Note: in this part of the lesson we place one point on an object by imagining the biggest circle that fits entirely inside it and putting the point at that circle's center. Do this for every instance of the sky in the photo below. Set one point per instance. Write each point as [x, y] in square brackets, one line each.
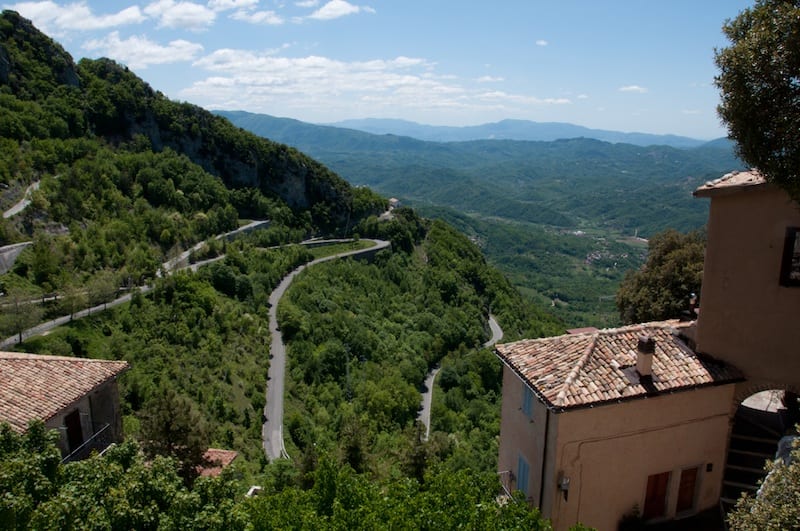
[624, 65]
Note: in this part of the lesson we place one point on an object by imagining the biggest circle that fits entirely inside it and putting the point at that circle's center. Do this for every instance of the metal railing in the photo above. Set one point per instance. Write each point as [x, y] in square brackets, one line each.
[506, 478]
[101, 439]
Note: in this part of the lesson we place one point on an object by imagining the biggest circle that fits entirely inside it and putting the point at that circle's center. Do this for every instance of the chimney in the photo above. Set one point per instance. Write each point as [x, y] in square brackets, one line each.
[644, 356]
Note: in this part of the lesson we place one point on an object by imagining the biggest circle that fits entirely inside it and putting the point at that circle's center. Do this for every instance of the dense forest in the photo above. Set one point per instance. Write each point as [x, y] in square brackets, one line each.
[127, 181]
[564, 220]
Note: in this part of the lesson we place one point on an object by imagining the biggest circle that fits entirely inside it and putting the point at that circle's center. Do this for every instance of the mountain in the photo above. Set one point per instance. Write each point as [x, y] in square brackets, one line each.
[568, 183]
[511, 130]
[102, 99]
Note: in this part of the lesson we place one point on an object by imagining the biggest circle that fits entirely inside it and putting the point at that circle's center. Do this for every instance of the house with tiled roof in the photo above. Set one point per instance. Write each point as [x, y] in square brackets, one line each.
[597, 422]
[76, 396]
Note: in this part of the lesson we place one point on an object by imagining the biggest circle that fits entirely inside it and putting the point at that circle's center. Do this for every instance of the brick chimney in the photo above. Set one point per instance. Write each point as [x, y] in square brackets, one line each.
[644, 356]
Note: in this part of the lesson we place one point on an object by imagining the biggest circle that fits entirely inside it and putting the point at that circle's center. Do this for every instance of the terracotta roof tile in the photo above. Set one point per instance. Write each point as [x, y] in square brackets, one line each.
[596, 367]
[217, 459]
[736, 180]
[37, 387]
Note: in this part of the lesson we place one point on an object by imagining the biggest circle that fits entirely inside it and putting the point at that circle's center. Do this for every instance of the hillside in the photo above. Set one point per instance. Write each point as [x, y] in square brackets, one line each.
[562, 219]
[572, 183]
[128, 180]
[58, 99]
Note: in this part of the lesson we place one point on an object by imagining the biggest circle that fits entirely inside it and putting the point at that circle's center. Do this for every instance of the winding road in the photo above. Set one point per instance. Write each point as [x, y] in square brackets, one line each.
[427, 395]
[272, 430]
[170, 267]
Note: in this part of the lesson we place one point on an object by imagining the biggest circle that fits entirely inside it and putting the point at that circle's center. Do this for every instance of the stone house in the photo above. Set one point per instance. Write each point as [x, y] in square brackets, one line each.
[76, 396]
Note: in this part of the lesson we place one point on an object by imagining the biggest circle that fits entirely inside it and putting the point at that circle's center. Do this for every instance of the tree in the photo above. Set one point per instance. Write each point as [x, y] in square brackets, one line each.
[172, 427]
[759, 81]
[662, 287]
[20, 311]
[777, 504]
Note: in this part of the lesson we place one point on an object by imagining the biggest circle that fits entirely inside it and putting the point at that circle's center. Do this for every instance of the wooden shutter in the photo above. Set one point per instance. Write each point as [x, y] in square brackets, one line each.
[686, 490]
[655, 501]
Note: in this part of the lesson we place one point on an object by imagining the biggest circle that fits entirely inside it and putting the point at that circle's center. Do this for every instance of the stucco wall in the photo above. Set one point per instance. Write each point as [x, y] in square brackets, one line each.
[747, 318]
[523, 435]
[608, 452]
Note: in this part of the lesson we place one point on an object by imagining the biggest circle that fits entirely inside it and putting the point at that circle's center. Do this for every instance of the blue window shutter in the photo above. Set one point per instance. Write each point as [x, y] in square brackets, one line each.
[522, 475]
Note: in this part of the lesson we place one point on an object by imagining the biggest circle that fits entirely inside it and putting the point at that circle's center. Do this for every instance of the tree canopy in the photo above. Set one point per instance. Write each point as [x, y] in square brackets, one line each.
[759, 81]
[777, 504]
[662, 287]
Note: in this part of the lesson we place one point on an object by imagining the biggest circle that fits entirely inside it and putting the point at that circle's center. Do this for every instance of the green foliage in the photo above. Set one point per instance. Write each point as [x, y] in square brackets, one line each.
[171, 426]
[777, 504]
[662, 287]
[119, 490]
[758, 82]
[362, 336]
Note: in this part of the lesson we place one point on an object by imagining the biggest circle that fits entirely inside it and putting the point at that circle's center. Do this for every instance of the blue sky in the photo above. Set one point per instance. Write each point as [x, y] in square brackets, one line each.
[627, 65]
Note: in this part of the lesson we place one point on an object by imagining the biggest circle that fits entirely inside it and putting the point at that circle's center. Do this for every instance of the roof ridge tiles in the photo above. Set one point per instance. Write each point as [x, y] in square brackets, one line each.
[573, 374]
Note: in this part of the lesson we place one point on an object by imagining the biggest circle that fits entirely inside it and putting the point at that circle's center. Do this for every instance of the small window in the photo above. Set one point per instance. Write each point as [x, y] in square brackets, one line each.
[523, 471]
[527, 401]
[790, 265]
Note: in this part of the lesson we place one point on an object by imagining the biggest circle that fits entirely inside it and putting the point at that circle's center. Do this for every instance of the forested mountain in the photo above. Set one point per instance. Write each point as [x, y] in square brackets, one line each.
[568, 183]
[46, 95]
[560, 218]
[127, 180]
[511, 130]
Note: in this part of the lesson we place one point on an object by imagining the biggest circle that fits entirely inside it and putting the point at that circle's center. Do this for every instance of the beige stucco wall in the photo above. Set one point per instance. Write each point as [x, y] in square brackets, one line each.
[609, 451]
[747, 318]
[523, 435]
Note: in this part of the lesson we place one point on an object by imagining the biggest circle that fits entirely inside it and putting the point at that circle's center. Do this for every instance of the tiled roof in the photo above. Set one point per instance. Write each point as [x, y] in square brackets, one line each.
[217, 459]
[730, 182]
[37, 387]
[596, 367]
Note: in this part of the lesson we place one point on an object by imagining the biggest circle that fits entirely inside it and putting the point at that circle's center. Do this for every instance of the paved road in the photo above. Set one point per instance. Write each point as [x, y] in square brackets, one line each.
[170, 266]
[427, 400]
[272, 430]
[427, 395]
[497, 332]
[22, 203]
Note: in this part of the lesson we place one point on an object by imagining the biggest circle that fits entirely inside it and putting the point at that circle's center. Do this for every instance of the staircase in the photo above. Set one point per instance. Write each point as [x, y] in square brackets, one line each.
[754, 440]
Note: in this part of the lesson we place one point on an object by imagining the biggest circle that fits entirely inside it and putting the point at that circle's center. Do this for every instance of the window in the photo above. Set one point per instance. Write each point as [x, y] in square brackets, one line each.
[686, 490]
[655, 500]
[523, 470]
[790, 264]
[527, 401]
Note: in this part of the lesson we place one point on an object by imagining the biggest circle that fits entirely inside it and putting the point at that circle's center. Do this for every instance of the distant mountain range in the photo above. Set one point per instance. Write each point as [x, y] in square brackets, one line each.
[513, 130]
[565, 183]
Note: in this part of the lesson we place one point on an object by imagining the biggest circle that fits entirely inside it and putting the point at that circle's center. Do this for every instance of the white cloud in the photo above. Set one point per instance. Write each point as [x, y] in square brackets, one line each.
[225, 5]
[499, 95]
[542, 42]
[338, 8]
[327, 88]
[270, 18]
[583, 96]
[139, 52]
[489, 79]
[56, 19]
[307, 3]
[633, 88]
[186, 15]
